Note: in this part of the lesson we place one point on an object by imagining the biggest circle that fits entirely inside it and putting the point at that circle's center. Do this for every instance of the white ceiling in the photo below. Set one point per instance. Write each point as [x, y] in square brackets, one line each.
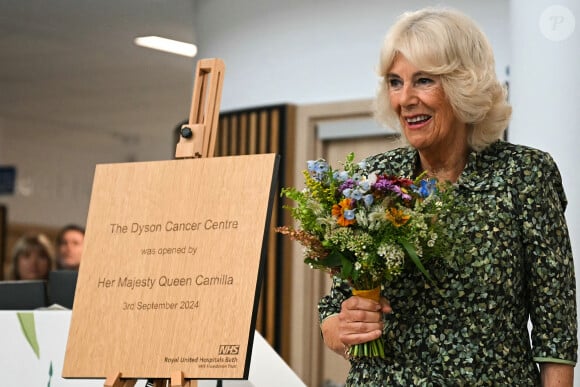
[72, 65]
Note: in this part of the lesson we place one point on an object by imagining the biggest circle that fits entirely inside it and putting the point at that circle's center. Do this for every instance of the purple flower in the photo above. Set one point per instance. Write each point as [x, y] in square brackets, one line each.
[349, 183]
[383, 184]
[396, 189]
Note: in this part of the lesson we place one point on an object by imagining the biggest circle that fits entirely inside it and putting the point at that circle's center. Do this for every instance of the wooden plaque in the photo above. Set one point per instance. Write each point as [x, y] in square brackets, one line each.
[171, 269]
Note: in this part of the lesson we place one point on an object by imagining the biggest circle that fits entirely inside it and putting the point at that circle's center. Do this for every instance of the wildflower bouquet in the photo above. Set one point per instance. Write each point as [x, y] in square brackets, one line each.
[366, 227]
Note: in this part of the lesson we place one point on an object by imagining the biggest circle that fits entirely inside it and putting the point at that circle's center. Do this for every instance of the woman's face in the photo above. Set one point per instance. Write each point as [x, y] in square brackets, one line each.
[426, 116]
[70, 249]
[33, 264]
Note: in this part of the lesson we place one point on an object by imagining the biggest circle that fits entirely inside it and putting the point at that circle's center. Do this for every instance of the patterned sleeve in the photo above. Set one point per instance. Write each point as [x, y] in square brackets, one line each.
[549, 263]
[330, 304]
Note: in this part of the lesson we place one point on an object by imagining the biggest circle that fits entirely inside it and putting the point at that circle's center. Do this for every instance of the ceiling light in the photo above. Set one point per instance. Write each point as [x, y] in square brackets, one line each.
[167, 45]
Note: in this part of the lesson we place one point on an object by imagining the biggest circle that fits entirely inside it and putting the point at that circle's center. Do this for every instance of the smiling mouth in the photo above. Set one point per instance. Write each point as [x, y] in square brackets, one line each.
[417, 120]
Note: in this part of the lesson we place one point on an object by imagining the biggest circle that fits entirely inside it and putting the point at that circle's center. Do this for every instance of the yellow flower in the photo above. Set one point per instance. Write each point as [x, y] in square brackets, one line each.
[397, 217]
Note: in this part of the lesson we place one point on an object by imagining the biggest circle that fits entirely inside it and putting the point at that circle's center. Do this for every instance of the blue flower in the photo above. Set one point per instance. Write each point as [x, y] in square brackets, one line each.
[365, 185]
[348, 214]
[368, 199]
[317, 169]
[321, 166]
[357, 194]
[340, 176]
[426, 188]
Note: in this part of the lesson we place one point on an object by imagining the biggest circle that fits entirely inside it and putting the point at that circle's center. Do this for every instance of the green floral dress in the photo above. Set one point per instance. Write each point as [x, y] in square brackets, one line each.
[511, 260]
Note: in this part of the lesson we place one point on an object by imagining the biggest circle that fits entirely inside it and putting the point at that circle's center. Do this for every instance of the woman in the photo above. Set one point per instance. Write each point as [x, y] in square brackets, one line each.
[32, 258]
[69, 244]
[511, 258]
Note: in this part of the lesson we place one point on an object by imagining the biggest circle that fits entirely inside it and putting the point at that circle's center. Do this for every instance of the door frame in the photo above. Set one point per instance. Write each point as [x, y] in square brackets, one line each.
[307, 349]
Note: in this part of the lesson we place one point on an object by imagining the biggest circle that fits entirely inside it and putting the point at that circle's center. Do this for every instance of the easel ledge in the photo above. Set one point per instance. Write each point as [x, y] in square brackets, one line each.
[197, 140]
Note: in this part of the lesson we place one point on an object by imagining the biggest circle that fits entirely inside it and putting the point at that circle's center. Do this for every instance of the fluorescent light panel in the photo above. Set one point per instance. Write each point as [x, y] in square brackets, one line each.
[167, 45]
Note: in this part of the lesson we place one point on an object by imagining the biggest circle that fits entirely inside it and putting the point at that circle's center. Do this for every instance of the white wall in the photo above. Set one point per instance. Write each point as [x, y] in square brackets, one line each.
[545, 85]
[305, 51]
[55, 168]
[546, 92]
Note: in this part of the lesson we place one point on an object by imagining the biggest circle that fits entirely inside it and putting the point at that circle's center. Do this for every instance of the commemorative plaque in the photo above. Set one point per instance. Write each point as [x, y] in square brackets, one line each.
[171, 268]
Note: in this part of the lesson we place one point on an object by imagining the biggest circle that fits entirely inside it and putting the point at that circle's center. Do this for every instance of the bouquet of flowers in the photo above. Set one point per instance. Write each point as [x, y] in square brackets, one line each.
[366, 228]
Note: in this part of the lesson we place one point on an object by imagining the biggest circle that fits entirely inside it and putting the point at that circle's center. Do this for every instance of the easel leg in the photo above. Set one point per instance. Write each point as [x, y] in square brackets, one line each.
[117, 381]
[177, 380]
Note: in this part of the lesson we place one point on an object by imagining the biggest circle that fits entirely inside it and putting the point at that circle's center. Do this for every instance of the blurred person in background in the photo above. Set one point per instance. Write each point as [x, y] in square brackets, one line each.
[69, 244]
[32, 258]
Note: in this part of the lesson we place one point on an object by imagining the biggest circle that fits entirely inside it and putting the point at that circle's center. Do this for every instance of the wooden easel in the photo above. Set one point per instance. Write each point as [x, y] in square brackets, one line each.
[197, 140]
[177, 380]
[198, 136]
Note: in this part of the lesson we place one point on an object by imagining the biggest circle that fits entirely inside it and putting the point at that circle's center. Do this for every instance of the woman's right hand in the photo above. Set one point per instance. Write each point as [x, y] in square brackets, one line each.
[360, 320]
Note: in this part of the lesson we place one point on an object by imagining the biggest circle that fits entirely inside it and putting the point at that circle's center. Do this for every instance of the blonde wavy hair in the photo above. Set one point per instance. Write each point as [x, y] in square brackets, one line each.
[447, 43]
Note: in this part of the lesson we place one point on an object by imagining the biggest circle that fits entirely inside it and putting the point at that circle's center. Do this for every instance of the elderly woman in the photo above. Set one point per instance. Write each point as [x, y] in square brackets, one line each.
[32, 258]
[511, 260]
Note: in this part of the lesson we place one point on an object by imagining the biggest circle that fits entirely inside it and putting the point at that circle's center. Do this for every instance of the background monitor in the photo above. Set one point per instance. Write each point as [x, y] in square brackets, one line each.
[22, 295]
[61, 287]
